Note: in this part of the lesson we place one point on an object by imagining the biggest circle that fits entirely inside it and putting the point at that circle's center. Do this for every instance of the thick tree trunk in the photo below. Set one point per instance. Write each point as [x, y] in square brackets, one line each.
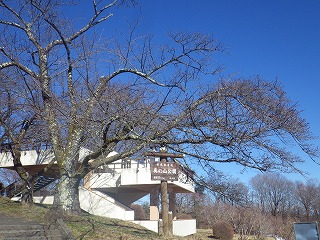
[67, 195]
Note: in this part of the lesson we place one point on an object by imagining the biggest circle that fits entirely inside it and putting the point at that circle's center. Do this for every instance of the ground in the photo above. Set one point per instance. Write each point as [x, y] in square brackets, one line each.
[88, 227]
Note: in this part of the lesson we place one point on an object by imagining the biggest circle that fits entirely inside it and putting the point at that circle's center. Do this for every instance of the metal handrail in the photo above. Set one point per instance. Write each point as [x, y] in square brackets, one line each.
[125, 164]
[17, 188]
[5, 192]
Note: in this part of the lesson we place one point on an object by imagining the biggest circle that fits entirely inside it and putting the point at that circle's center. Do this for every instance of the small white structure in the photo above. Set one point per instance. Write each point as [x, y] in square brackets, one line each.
[109, 190]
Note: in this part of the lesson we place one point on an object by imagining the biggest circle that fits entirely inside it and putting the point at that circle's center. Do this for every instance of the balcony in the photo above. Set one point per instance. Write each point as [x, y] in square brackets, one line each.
[126, 174]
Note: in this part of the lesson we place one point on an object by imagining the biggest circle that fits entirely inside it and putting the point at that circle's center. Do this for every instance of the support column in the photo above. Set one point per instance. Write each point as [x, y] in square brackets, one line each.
[154, 204]
[172, 204]
[87, 180]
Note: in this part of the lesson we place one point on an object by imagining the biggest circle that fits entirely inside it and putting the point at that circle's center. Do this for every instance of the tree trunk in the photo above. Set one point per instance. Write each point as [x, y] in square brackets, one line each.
[67, 194]
[27, 190]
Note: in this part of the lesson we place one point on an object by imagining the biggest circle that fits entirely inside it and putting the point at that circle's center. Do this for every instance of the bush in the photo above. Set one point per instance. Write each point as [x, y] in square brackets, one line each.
[139, 213]
[222, 230]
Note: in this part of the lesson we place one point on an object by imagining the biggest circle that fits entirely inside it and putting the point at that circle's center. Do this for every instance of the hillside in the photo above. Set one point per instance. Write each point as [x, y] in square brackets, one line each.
[86, 226]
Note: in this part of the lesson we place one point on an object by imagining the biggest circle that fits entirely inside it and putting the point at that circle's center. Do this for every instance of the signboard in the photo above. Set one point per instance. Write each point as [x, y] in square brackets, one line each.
[306, 231]
[167, 171]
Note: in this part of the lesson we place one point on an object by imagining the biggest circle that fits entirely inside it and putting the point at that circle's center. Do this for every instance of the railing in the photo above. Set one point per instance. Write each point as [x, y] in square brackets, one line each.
[136, 164]
[185, 175]
[124, 164]
[12, 190]
[15, 188]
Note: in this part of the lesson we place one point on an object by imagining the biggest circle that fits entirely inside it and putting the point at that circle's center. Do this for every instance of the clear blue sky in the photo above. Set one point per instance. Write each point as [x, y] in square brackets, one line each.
[275, 39]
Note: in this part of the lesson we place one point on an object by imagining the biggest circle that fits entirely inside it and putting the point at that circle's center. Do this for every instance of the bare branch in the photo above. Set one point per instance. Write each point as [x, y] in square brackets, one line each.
[13, 24]
[16, 14]
[93, 22]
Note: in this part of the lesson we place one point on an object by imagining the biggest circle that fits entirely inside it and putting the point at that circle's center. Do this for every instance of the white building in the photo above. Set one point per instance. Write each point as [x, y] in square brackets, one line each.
[111, 189]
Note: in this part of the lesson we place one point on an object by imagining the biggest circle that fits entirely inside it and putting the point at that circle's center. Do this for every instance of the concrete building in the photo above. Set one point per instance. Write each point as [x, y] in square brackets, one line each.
[111, 189]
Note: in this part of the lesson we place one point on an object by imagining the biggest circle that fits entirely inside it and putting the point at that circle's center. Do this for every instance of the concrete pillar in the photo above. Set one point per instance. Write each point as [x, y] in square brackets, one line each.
[172, 204]
[154, 204]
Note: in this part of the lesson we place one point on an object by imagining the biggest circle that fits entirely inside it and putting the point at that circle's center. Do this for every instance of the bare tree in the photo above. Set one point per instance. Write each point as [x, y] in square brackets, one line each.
[307, 195]
[228, 190]
[77, 103]
[128, 95]
[271, 191]
[192, 206]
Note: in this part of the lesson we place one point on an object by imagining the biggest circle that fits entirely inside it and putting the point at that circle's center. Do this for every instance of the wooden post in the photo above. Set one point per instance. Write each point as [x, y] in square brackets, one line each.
[164, 200]
[166, 227]
[170, 222]
[165, 208]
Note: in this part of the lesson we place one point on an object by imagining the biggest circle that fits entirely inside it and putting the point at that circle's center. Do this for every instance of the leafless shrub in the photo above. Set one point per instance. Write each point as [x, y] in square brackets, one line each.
[284, 227]
[139, 213]
[223, 230]
[184, 216]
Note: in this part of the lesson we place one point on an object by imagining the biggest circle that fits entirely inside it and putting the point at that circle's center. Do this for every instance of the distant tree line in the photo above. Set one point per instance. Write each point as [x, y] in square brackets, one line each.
[269, 205]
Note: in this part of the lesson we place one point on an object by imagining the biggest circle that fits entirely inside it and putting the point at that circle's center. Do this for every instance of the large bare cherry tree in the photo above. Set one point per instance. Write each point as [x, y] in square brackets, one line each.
[123, 93]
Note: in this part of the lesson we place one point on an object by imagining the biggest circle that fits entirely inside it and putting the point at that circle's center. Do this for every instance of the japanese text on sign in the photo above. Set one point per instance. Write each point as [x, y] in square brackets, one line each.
[164, 171]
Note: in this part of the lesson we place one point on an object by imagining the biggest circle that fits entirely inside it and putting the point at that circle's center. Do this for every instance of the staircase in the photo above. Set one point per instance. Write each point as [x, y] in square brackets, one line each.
[42, 182]
[17, 229]
[14, 189]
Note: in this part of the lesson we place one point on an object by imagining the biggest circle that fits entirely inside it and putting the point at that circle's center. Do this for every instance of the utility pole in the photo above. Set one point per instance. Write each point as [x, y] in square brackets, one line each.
[163, 154]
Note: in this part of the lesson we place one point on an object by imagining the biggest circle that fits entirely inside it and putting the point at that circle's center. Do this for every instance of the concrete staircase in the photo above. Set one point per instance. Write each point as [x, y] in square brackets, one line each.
[17, 229]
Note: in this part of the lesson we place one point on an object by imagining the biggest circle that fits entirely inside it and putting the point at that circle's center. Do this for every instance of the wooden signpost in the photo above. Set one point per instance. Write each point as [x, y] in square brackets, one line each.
[164, 171]
[167, 171]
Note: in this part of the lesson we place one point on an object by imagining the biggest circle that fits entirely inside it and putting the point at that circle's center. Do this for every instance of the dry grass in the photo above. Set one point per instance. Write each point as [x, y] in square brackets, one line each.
[24, 211]
[83, 227]
[93, 227]
[88, 227]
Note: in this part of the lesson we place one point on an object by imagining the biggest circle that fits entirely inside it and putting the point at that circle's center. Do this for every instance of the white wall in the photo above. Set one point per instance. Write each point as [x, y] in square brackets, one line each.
[43, 200]
[97, 203]
[180, 227]
[184, 227]
[104, 180]
[33, 157]
[132, 176]
[151, 225]
[27, 158]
